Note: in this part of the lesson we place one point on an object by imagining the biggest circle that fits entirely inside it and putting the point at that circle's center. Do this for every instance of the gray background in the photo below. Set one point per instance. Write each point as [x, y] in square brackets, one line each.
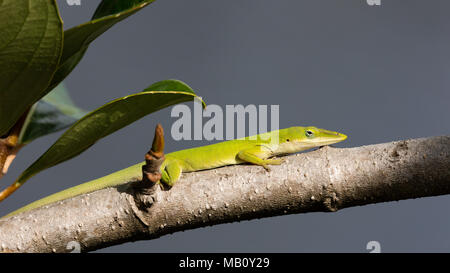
[375, 73]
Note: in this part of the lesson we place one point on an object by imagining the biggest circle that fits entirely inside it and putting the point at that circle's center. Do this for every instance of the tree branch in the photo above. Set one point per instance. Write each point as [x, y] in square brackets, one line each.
[327, 179]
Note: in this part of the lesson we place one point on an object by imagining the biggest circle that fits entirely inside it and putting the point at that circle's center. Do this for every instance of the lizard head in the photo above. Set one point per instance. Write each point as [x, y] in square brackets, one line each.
[321, 137]
[297, 139]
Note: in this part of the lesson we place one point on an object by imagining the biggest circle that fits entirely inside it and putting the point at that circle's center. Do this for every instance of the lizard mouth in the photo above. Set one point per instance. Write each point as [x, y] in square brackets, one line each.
[330, 137]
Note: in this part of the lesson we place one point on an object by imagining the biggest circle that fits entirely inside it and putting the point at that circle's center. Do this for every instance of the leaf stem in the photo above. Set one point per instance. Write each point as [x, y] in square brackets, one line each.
[9, 146]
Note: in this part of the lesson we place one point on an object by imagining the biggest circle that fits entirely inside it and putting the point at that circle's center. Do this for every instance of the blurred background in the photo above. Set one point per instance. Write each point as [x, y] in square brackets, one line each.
[375, 73]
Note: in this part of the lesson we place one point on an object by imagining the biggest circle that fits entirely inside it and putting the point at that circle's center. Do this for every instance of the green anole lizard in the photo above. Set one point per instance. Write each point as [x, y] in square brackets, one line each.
[256, 150]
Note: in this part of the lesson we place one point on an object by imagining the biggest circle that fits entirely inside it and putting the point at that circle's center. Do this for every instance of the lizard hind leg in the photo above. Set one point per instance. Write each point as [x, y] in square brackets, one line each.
[171, 173]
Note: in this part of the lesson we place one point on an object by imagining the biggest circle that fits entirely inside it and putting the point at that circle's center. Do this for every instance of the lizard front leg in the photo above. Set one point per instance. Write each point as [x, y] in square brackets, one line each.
[258, 156]
[171, 173]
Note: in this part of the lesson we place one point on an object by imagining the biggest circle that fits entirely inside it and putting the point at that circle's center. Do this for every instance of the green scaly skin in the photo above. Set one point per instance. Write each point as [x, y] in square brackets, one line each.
[256, 150]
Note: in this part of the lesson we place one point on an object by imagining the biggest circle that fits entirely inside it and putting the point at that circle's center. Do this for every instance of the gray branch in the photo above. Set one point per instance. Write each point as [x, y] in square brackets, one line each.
[327, 179]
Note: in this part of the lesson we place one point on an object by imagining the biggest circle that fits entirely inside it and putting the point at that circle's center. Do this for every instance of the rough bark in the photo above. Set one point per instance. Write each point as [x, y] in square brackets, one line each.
[327, 179]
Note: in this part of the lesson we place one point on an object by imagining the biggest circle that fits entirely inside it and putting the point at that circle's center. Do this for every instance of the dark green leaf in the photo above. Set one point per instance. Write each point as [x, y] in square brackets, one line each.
[77, 39]
[108, 7]
[108, 119]
[30, 48]
[54, 112]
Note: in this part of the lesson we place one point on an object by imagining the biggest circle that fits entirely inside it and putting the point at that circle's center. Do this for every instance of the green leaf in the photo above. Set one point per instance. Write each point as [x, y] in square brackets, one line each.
[77, 39]
[54, 112]
[108, 119]
[108, 7]
[30, 49]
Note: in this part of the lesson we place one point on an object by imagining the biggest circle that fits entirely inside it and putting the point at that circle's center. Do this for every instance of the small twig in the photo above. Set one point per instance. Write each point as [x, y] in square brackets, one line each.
[144, 191]
[153, 160]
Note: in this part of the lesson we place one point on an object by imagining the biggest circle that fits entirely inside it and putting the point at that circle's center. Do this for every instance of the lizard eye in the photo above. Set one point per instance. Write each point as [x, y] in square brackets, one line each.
[309, 133]
[287, 140]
